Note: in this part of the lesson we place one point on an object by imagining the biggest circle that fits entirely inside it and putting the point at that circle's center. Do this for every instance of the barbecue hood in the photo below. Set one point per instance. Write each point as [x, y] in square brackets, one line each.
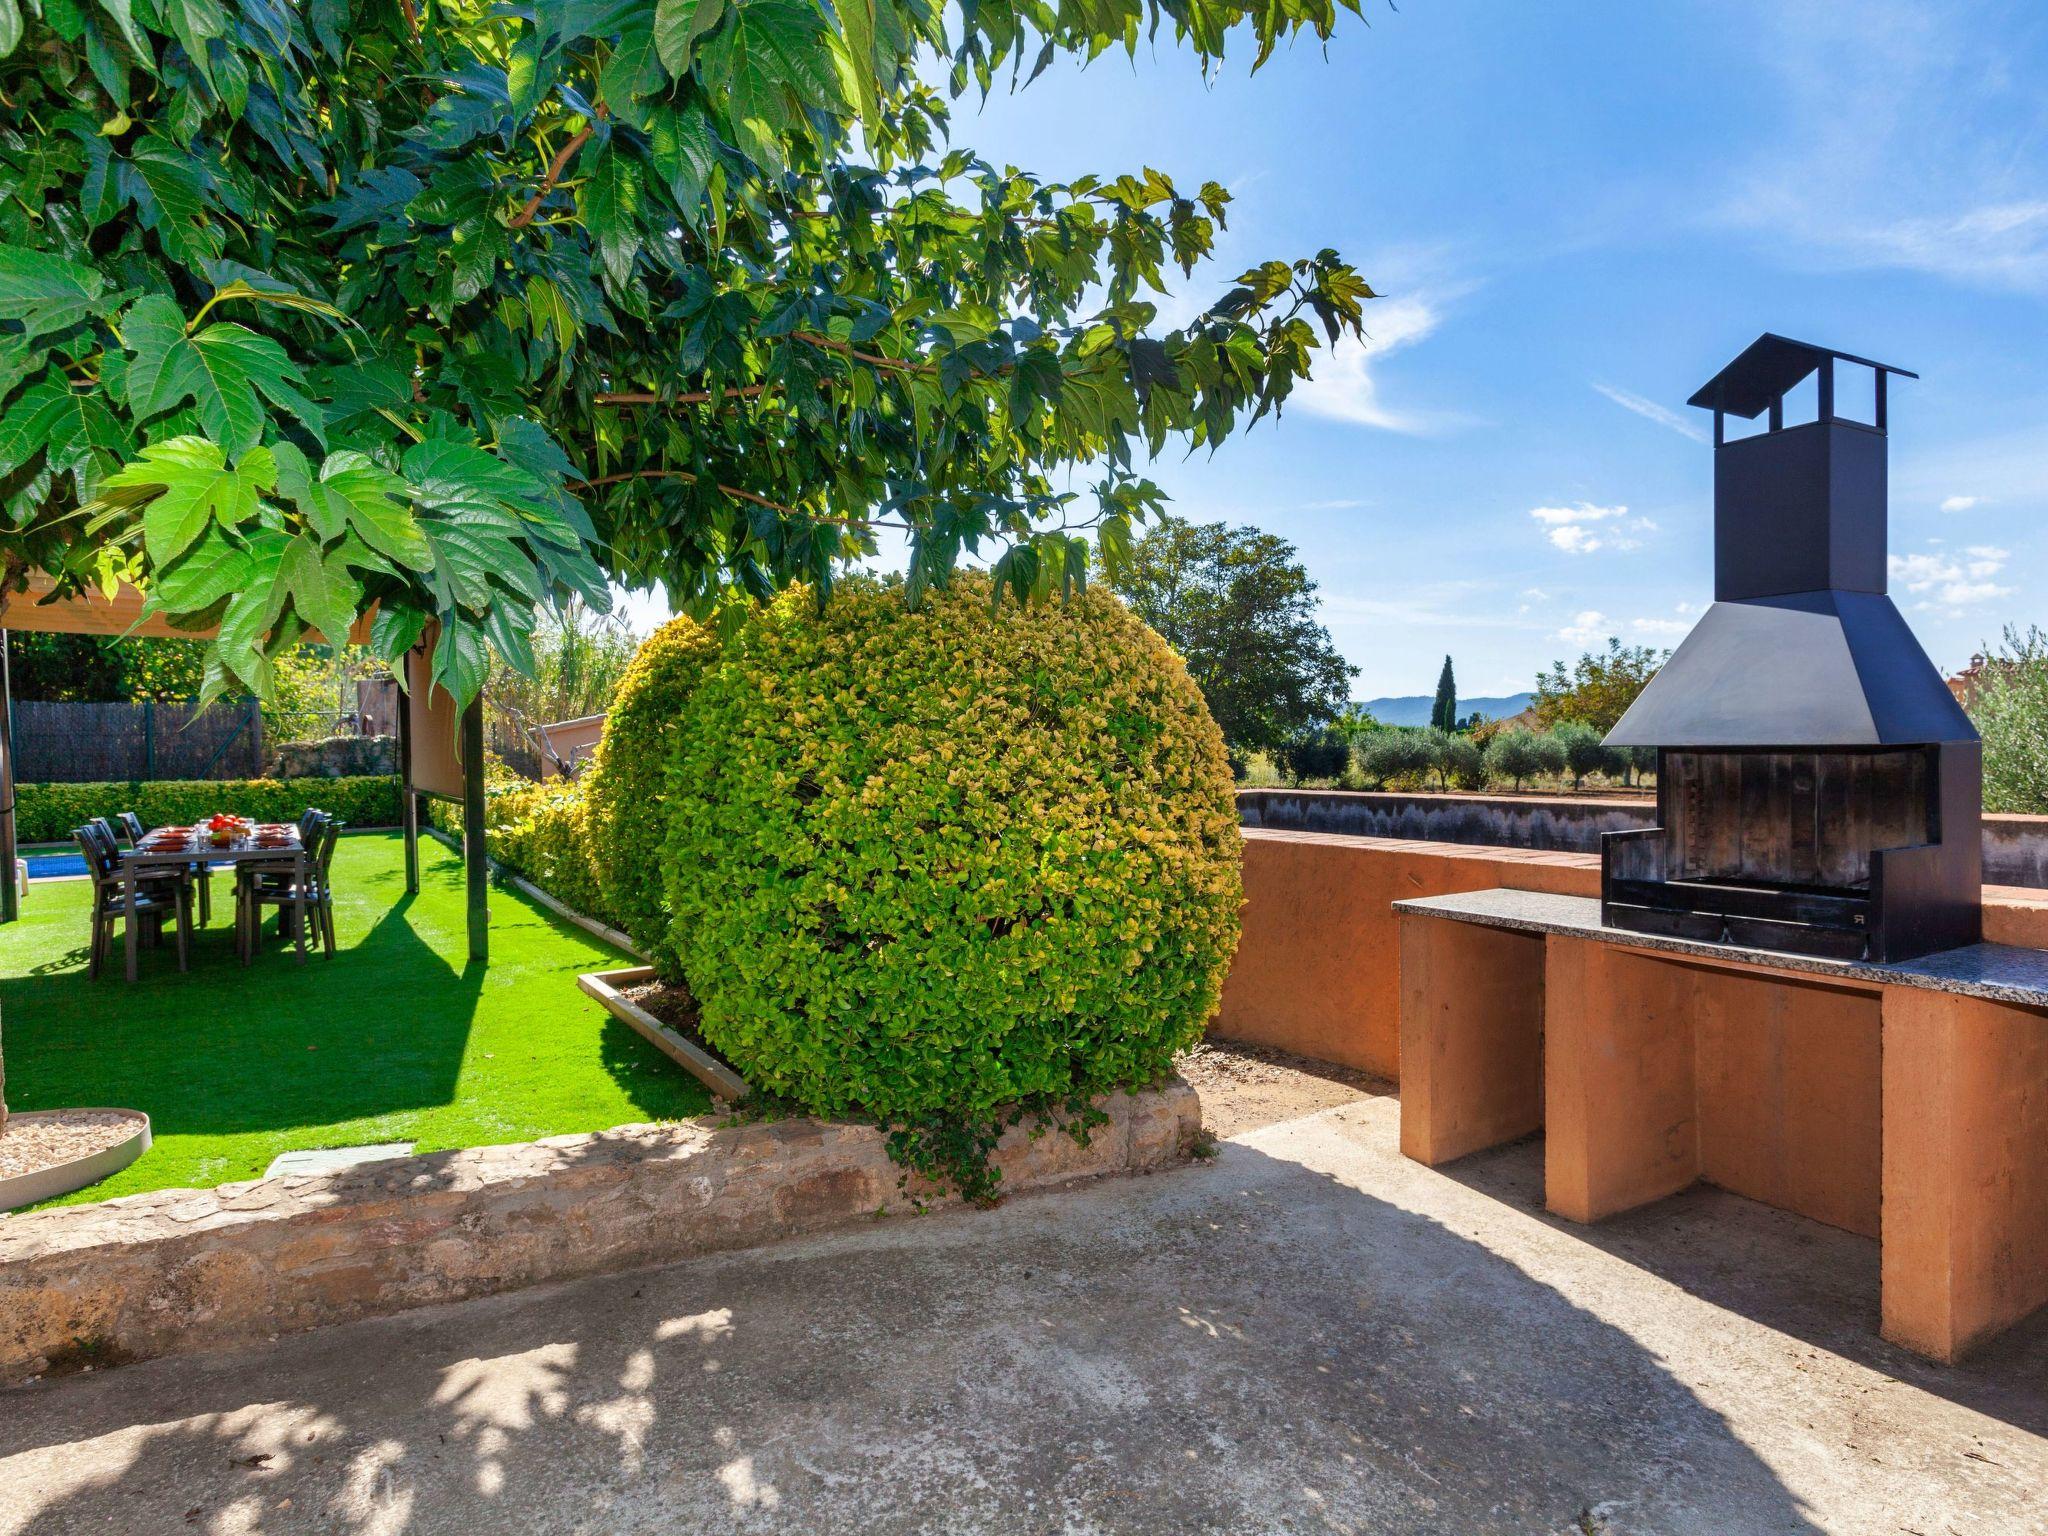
[1802, 646]
[1818, 786]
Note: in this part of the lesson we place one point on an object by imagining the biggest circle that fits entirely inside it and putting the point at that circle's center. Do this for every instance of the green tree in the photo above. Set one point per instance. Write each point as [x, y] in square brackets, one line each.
[1583, 751]
[1321, 752]
[1241, 611]
[92, 668]
[1443, 714]
[1464, 762]
[454, 308]
[1394, 754]
[1517, 755]
[2010, 709]
[1600, 686]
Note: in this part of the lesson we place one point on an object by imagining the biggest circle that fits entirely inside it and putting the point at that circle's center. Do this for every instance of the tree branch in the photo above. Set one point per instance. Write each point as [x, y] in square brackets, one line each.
[556, 168]
[694, 397]
[690, 478]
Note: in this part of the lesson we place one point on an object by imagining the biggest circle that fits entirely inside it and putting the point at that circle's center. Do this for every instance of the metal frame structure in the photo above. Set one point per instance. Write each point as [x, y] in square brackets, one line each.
[432, 734]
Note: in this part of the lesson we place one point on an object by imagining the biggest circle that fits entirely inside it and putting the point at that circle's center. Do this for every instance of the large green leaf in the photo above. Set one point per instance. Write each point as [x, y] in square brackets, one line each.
[169, 192]
[215, 567]
[461, 659]
[226, 370]
[187, 483]
[46, 293]
[678, 24]
[321, 588]
[770, 61]
[354, 492]
[611, 207]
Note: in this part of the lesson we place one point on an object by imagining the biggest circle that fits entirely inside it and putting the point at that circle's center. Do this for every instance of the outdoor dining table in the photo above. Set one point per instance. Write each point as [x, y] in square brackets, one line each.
[278, 845]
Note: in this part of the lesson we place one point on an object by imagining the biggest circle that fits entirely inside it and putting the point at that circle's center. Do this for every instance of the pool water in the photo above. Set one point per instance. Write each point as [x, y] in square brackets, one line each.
[44, 866]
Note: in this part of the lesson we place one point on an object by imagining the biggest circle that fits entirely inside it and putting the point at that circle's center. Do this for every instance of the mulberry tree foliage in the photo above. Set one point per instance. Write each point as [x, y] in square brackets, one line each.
[448, 310]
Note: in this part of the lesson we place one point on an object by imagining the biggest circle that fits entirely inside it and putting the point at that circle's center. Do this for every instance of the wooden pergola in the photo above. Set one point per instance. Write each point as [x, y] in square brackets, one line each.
[440, 746]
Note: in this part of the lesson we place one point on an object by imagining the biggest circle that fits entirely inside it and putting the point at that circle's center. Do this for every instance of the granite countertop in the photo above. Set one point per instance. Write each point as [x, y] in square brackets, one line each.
[1998, 972]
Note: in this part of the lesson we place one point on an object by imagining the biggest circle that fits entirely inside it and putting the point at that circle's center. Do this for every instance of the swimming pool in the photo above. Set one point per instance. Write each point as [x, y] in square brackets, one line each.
[47, 866]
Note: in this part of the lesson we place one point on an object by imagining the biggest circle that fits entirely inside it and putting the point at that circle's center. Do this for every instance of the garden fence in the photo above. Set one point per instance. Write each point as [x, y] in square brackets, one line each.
[66, 743]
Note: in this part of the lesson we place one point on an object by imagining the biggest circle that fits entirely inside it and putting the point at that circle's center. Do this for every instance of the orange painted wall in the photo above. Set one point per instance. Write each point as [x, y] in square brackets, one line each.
[1966, 1181]
[1318, 968]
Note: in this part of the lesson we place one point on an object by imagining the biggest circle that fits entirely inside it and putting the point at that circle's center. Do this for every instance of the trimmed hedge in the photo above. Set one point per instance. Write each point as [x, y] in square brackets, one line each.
[625, 782]
[47, 813]
[923, 864]
[541, 831]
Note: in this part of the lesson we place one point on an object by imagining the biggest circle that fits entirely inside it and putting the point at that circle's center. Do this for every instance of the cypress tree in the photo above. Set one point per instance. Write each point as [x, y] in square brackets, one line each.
[1443, 714]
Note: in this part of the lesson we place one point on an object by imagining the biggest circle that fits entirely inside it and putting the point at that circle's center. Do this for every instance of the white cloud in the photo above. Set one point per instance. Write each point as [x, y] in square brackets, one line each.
[1587, 628]
[1652, 411]
[1342, 386]
[1571, 528]
[1659, 628]
[1335, 504]
[1952, 583]
[1958, 503]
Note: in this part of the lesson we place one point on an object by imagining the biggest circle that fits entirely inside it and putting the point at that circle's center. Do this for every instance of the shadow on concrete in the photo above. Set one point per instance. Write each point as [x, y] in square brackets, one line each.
[1248, 1346]
[1801, 1277]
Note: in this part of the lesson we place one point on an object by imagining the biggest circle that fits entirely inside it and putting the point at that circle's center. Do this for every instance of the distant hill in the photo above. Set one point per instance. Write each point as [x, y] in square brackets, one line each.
[1414, 709]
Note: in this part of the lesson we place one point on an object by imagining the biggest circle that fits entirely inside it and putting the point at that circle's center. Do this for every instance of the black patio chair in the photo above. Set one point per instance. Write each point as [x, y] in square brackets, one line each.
[165, 896]
[202, 872]
[271, 885]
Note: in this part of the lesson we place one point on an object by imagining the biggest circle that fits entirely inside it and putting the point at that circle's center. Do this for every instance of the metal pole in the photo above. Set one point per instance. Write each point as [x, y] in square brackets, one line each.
[10, 893]
[473, 859]
[408, 802]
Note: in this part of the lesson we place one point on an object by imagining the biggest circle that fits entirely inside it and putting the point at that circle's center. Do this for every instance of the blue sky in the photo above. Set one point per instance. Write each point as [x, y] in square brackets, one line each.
[1577, 213]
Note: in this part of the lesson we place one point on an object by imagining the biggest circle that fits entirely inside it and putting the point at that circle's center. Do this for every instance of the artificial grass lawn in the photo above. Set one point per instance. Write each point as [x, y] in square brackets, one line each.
[397, 1038]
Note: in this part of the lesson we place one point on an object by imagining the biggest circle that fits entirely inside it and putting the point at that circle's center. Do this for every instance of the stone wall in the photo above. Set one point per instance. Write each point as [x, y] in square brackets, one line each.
[177, 1270]
[2015, 847]
[334, 757]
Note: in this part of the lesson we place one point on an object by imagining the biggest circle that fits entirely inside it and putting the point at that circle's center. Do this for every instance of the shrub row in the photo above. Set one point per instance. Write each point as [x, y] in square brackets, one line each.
[1445, 760]
[541, 832]
[47, 813]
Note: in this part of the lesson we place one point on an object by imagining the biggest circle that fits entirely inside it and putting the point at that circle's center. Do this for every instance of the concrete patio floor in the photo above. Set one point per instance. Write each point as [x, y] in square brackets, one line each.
[1306, 1334]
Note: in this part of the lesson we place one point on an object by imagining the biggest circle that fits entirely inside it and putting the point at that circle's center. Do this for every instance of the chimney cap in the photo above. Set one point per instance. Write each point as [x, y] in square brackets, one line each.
[1767, 368]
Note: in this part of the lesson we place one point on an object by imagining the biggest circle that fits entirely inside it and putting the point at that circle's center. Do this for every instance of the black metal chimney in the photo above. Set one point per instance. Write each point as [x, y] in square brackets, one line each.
[1819, 786]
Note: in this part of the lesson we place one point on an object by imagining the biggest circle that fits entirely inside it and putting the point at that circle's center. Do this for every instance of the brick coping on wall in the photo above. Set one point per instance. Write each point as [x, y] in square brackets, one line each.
[176, 1270]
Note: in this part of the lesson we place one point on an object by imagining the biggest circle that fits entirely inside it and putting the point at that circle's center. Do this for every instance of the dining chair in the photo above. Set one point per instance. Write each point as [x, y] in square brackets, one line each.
[167, 896]
[271, 885]
[202, 872]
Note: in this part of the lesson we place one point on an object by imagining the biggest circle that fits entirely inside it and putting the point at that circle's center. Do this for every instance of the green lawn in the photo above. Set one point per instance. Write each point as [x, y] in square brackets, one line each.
[397, 1038]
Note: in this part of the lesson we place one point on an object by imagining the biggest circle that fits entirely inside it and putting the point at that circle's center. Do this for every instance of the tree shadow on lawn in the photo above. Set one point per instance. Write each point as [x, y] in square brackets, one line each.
[1242, 1347]
[222, 1049]
[339, 1051]
[1802, 1277]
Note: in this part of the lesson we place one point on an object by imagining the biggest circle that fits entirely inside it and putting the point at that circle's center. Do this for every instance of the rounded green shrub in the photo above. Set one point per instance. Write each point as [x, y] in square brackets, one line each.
[923, 864]
[1390, 755]
[624, 785]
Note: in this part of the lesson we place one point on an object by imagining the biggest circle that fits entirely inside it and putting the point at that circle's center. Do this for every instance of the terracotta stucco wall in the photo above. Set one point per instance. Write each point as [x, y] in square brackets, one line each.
[1318, 969]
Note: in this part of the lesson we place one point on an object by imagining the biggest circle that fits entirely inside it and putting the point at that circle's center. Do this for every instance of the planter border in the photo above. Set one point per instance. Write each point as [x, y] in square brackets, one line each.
[183, 1269]
[67, 1177]
[692, 1058]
